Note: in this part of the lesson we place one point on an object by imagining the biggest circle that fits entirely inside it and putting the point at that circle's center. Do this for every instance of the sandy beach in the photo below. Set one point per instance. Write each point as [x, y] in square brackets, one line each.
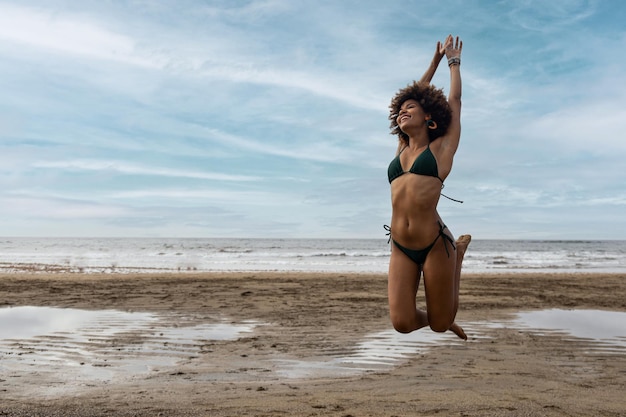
[284, 363]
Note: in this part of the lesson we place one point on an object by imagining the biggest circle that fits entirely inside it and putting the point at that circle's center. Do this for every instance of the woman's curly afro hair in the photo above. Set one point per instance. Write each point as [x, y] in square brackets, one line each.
[433, 102]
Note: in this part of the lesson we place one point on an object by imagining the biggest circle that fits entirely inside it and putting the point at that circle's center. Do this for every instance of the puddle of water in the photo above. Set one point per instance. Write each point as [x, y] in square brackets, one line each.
[100, 345]
[376, 352]
[605, 328]
[28, 322]
[384, 350]
[83, 347]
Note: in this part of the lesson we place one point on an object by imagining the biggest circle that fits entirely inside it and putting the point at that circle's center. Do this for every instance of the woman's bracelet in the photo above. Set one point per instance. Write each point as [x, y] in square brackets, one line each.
[455, 60]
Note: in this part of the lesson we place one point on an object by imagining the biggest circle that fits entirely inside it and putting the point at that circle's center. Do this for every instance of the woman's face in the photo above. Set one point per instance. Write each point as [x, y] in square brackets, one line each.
[410, 114]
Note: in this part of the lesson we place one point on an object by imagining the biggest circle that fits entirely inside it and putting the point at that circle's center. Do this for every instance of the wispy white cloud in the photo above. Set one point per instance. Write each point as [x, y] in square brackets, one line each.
[126, 168]
[250, 198]
[80, 35]
[270, 116]
[34, 208]
[74, 34]
[591, 126]
[547, 17]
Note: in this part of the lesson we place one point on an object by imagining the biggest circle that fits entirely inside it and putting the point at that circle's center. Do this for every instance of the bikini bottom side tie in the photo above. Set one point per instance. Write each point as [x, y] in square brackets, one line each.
[419, 255]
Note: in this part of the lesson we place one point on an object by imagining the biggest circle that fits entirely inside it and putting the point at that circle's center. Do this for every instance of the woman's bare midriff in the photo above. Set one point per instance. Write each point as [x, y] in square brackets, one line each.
[414, 218]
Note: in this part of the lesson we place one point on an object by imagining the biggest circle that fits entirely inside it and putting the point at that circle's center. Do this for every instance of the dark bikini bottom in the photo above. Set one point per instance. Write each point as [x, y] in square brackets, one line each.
[419, 255]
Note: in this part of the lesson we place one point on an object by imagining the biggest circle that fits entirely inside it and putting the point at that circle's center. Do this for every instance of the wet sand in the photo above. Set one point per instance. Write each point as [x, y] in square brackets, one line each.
[300, 317]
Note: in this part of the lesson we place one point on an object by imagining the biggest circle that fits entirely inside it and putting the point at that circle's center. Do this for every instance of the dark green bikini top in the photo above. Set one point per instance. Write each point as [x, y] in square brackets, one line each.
[424, 164]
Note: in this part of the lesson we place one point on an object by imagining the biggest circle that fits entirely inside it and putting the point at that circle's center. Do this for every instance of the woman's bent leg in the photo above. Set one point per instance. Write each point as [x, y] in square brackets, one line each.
[441, 283]
[402, 284]
[461, 246]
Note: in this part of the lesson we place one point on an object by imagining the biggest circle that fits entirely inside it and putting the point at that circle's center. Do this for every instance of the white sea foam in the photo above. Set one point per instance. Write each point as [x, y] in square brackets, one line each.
[315, 255]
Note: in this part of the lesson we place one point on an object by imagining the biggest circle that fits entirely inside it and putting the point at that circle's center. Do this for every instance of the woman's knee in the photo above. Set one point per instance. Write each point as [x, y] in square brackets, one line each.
[403, 327]
[441, 325]
[402, 324]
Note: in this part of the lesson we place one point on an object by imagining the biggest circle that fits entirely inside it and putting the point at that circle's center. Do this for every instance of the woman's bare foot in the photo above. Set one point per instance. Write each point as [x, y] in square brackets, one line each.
[462, 243]
[457, 330]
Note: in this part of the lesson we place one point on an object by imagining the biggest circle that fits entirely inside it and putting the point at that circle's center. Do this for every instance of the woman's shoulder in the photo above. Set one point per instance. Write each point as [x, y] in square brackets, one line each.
[444, 151]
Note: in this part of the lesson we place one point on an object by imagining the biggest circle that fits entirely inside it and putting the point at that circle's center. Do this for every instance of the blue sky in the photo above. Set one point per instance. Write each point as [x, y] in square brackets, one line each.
[269, 118]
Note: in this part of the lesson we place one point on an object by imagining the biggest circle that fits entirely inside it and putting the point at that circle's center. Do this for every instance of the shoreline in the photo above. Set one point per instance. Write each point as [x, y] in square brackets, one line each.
[61, 270]
[308, 318]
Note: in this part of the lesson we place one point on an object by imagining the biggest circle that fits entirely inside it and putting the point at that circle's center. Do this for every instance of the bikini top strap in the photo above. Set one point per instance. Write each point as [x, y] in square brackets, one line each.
[449, 198]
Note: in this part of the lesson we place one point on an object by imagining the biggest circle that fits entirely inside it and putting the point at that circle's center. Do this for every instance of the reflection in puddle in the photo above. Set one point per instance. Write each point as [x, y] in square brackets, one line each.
[83, 347]
[607, 329]
[101, 345]
[380, 351]
[28, 322]
[377, 352]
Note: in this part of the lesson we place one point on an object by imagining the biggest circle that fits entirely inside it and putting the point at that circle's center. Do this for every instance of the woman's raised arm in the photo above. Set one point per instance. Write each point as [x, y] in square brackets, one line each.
[453, 54]
[440, 51]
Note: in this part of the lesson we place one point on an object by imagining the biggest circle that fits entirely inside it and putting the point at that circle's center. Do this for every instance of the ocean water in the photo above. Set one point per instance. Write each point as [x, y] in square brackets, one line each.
[126, 255]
